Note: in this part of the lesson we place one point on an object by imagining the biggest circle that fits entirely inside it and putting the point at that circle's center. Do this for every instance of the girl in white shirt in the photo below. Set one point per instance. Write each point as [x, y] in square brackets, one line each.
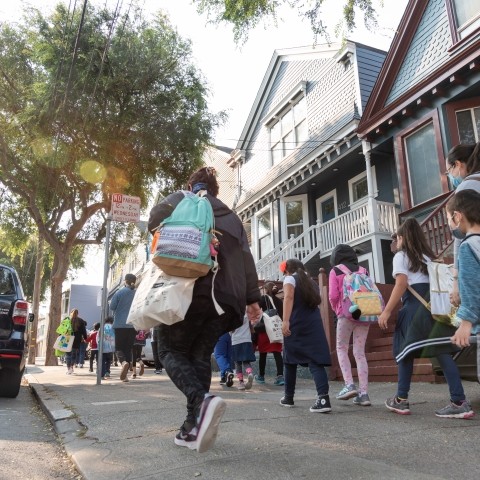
[417, 334]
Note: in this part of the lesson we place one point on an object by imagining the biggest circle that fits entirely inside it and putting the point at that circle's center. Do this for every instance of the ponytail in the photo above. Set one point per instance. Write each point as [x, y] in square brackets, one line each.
[308, 292]
[473, 162]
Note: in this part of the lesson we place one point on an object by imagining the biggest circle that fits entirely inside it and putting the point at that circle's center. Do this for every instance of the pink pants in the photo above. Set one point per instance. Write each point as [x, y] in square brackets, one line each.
[345, 328]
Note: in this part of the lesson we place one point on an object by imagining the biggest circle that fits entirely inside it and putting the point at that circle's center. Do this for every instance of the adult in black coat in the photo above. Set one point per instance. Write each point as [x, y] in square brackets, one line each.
[185, 348]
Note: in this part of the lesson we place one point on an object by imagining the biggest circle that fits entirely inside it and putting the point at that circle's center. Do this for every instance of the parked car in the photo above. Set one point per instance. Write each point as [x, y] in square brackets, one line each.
[13, 332]
[147, 354]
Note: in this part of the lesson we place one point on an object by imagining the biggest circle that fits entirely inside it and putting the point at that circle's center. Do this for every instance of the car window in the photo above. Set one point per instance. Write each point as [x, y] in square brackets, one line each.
[6, 282]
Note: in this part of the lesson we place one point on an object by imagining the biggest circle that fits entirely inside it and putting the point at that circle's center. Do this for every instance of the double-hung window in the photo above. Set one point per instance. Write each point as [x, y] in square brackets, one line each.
[467, 16]
[289, 130]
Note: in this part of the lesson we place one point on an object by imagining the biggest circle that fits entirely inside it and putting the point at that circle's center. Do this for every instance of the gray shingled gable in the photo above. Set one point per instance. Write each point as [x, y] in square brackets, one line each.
[427, 51]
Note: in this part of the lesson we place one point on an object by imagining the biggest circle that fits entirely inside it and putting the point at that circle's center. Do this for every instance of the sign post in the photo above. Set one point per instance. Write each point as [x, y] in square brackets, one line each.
[124, 209]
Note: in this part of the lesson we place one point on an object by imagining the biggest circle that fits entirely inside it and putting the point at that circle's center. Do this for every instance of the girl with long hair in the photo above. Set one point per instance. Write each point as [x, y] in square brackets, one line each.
[305, 342]
[417, 334]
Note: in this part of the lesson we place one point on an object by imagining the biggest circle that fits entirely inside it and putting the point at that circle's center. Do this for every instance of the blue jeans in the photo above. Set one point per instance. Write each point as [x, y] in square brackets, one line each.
[319, 377]
[223, 353]
[450, 371]
[71, 357]
[82, 350]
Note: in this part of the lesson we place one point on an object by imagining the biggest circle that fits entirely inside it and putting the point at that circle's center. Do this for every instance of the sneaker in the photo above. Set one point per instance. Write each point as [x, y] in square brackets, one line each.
[259, 379]
[90, 369]
[186, 439]
[141, 365]
[223, 380]
[229, 382]
[456, 411]
[321, 405]
[287, 402]
[69, 371]
[348, 391]
[124, 371]
[158, 371]
[107, 375]
[249, 382]
[241, 386]
[362, 399]
[211, 413]
[81, 365]
[401, 407]
[279, 381]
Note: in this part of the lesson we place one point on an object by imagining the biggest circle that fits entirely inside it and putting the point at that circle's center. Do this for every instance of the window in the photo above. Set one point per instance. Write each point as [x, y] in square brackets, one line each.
[289, 131]
[294, 218]
[468, 122]
[6, 282]
[264, 234]
[327, 206]
[358, 187]
[467, 16]
[422, 164]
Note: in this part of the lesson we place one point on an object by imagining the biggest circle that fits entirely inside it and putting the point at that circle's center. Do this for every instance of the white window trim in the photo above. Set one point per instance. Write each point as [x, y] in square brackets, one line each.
[255, 235]
[318, 202]
[369, 258]
[356, 179]
[293, 94]
[283, 212]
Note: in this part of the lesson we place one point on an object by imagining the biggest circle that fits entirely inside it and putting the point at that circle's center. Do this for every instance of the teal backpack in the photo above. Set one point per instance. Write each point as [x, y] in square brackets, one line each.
[187, 244]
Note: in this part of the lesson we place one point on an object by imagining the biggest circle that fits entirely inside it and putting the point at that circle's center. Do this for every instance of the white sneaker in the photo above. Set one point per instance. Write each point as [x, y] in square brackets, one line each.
[249, 382]
[241, 386]
[142, 368]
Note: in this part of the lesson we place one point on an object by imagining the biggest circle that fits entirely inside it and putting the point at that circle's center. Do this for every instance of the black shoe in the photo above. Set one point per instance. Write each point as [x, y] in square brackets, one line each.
[287, 402]
[211, 413]
[229, 381]
[322, 405]
[223, 380]
[186, 439]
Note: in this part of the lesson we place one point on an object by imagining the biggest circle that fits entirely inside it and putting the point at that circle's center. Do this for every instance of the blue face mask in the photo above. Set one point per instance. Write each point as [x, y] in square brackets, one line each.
[455, 181]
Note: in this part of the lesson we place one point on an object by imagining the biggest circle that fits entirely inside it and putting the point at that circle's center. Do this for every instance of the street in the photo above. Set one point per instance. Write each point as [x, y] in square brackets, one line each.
[125, 431]
[29, 447]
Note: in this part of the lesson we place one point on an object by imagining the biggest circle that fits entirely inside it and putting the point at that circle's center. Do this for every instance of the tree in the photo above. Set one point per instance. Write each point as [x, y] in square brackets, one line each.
[245, 15]
[94, 102]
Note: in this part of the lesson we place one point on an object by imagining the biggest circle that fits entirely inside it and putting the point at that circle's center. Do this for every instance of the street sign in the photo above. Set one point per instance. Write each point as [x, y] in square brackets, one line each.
[125, 208]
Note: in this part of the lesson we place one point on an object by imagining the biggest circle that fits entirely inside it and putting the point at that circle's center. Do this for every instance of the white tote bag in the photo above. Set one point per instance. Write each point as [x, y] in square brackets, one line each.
[160, 298]
[273, 323]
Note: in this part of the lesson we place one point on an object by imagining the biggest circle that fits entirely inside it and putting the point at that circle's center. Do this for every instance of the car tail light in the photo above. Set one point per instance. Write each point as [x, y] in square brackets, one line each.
[20, 312]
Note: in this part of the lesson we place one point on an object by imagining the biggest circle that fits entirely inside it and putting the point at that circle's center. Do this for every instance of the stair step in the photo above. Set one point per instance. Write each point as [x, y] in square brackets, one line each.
[422, 369]
[379, 342]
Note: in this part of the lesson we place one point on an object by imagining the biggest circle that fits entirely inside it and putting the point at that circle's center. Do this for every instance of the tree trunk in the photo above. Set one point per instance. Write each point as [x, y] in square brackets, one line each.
[59, 273]
[37, 286]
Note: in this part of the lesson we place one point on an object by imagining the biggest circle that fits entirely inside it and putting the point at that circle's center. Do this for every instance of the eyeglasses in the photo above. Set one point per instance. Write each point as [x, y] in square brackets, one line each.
[448, 169]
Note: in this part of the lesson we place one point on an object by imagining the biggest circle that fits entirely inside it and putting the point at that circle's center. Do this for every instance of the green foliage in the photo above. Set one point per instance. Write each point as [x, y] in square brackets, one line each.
[112, 104]
[244, 15]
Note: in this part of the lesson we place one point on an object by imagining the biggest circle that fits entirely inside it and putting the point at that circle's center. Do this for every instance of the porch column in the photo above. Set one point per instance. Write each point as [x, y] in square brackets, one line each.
[373, 217]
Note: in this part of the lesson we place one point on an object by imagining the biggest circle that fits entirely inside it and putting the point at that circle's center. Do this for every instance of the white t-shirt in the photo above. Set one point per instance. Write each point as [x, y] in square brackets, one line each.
[289, 280]
[401, 264]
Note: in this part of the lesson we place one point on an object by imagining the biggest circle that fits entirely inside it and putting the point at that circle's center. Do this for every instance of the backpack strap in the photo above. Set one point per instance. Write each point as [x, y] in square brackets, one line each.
[343, 269]
[271, 301]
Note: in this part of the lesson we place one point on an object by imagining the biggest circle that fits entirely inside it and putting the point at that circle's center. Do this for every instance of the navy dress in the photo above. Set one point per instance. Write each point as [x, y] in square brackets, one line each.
[307, 342]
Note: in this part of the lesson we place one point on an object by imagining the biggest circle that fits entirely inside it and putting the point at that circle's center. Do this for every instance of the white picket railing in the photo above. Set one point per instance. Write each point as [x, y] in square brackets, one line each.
[322, 238]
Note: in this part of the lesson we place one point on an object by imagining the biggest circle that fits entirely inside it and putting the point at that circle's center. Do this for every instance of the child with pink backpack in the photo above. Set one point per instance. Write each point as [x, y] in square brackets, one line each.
[349, 287]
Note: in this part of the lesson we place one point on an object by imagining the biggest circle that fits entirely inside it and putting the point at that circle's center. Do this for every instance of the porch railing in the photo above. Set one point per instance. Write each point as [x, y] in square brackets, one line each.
[322, 238]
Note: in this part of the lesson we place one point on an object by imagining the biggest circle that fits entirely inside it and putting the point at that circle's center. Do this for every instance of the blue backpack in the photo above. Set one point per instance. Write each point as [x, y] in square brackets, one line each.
[187, 244]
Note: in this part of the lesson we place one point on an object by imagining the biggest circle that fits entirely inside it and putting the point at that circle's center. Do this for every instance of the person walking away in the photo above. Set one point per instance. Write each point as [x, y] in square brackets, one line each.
[108, 347]
[263, 343]
[345, 256]
[463, 170]
[124, 333]
[185, 348]
[463, 212]
[82, 351]
[92, 340]
[305, 342]
[223, 356]
[417, 334]
[80, 335]
[156, 358]
[243, 354]
[138, 344]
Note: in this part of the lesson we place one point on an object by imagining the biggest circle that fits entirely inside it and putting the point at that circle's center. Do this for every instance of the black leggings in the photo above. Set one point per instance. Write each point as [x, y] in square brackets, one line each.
[262, 362]
[124, 340]
[93, 356]
[136, 354]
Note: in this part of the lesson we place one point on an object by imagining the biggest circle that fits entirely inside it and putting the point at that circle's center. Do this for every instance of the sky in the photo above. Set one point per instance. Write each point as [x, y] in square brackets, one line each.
[233, 73]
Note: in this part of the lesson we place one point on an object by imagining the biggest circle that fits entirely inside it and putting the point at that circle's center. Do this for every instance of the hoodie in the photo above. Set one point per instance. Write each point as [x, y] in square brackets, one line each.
[236, 282]
[341, 255]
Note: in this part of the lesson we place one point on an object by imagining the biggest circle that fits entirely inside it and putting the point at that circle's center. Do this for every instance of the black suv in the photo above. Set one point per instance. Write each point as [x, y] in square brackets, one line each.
[13, 332]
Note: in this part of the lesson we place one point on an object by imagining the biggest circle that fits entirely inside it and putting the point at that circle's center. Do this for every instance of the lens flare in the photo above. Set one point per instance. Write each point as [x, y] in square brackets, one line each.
[92, 171]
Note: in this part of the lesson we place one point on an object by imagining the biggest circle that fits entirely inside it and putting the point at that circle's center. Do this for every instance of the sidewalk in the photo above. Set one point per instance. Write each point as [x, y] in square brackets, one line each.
[125, 431]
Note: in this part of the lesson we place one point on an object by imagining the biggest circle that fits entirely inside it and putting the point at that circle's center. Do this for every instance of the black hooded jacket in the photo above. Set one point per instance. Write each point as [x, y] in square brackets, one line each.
[345, 255]
[236, 282]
